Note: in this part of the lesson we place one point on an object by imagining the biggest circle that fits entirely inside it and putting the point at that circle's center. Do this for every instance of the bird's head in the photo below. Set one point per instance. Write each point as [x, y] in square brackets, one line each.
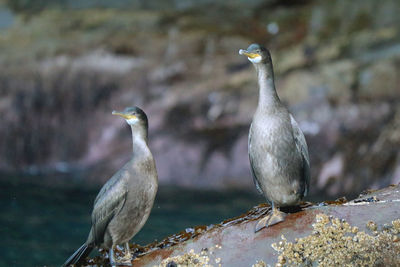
[256, 54]
[133, 116]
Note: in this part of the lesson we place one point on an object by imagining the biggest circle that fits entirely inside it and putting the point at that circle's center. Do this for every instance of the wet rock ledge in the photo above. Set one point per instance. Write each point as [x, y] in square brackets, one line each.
[361, 232]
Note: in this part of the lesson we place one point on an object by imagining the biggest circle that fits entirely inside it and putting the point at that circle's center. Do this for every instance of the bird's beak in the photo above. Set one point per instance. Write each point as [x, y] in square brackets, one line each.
[124, 115]
[248, 54]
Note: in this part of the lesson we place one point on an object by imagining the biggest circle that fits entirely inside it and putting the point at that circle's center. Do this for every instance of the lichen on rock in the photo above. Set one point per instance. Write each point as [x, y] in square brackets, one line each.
[334, 242]
[205, 258]
[259, 264]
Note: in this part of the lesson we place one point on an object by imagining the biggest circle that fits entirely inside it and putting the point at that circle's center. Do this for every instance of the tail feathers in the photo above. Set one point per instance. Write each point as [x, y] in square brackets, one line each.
[78, 255]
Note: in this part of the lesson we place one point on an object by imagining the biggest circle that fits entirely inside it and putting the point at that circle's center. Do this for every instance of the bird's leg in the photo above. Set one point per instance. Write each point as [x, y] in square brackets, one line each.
[128, 256]
[124, 261]
[277, 216]
[112, 256]
[273, 217]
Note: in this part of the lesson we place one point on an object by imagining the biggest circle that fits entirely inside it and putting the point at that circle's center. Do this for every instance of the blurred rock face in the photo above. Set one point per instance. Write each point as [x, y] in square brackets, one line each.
[337, 69]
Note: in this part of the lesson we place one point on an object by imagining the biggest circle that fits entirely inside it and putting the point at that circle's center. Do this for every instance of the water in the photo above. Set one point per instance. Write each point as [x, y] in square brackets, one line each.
[42, 225]
[6, 17]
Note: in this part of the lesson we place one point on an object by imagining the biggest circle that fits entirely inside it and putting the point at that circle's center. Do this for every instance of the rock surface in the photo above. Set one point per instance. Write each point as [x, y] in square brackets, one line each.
[364, 231]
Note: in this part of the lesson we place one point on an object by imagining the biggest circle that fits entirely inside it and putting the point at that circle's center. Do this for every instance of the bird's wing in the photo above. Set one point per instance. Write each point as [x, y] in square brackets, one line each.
[107, 204]
[253, 174]
[301, 145]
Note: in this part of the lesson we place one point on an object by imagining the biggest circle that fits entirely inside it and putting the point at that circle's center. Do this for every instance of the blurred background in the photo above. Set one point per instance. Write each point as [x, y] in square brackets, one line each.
[66, 64]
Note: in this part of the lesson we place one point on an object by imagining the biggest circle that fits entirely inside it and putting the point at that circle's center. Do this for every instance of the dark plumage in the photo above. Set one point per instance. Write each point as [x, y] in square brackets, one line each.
[124, 203]
[278, 151]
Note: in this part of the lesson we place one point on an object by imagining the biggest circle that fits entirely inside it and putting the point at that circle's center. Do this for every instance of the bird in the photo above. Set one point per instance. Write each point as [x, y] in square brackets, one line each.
[124, 203]
[277, 148]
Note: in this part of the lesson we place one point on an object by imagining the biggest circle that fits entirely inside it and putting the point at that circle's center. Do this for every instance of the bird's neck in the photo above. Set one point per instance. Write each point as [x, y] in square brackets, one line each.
[139, 141]
[268, 97]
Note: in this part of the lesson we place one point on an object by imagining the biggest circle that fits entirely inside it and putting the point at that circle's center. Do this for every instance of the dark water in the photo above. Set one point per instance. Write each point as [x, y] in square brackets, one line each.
[42, 226]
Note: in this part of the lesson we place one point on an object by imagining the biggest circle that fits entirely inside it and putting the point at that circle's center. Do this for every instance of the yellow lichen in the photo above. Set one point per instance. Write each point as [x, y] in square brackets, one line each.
[192, 259]
[335, 242]
[396, 225]
[259, 264]
[372, 226]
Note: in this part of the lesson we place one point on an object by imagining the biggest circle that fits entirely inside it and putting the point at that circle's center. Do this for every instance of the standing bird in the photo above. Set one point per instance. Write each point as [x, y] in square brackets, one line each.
[124, 203]
[278, 151]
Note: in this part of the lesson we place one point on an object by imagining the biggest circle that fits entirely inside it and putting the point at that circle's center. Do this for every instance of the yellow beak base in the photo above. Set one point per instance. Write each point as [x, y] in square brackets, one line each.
[248, 54]
[123, 115]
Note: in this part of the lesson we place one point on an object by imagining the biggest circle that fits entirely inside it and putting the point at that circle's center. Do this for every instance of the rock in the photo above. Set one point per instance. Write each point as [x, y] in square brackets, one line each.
[333, 80]
[331, 171]
[339, 78]
[363, 231]
[167, 73]
[98, 61]
[289, 59]
[299, 86]
[329, 52]
[380, 80]
[396, 175]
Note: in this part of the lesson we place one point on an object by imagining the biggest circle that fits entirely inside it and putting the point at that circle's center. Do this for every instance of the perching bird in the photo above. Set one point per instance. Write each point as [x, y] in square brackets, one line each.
[278, 151]
[124, 203]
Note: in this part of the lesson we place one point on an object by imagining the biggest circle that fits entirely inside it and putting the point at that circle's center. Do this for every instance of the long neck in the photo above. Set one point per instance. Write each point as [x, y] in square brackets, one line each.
[268, 97]
[139, 140]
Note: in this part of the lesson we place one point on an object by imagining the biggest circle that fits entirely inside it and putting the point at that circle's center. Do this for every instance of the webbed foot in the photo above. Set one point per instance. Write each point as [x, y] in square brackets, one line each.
[126, 260]
[273, 217]
[128, 256]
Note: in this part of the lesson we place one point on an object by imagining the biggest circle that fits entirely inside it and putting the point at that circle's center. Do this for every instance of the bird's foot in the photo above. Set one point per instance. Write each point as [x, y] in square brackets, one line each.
[273, 217]
[126, 260]
[128, 255]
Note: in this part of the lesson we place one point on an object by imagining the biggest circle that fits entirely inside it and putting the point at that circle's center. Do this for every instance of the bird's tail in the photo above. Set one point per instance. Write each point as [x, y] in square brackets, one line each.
[79, 254]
